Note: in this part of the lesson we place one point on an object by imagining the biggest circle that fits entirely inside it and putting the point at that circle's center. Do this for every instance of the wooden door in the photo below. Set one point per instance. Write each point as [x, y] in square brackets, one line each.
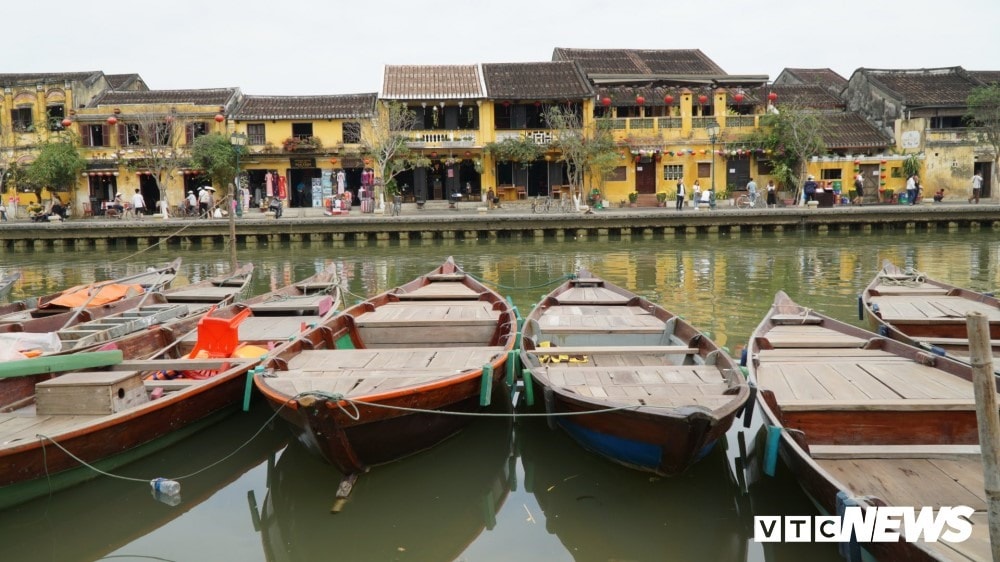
[871, 174]
[645, 176]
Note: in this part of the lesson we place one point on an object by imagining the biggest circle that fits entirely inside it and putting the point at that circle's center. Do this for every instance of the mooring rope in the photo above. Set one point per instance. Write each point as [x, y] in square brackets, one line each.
[84, 463]
[339, 398]
[151, 246]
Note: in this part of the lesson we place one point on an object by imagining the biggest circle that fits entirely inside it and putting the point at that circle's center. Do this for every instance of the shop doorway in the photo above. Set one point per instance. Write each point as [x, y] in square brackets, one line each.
[987, 170]
[301, 181]
[737, 173]
[150, 193]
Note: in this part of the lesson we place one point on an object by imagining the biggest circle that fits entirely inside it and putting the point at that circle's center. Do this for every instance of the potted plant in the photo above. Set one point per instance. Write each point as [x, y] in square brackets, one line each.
[632, 198]
[661, 199]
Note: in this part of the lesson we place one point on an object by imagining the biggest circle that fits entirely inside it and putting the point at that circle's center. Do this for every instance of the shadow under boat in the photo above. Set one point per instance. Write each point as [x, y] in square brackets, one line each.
[602, 511]
[431, 506]
[96, 518]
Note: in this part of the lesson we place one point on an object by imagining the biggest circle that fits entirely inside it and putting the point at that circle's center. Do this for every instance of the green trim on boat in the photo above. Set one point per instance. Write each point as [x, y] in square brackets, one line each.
[59, 363]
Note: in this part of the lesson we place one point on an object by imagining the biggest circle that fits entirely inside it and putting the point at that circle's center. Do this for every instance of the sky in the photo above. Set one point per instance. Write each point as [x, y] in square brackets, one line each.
[310, 47]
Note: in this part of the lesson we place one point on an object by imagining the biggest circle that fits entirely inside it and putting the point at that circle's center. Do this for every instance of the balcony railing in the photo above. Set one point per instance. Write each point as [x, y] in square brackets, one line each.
[444, 139]
[542, 137]
[740, 121]
[670, 126]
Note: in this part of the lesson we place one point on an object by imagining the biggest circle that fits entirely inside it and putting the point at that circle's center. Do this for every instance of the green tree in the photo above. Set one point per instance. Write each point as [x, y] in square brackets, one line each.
[57, 166]
[594, 154]
[217, 156]
[385, 141]
[984, 114]
[793, 136]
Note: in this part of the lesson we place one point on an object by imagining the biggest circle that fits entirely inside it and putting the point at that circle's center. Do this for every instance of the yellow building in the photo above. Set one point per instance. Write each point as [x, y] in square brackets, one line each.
[306, 147]
[141, 140]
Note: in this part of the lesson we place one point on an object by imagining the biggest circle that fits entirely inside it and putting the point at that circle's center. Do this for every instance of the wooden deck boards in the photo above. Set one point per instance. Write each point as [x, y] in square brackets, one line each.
[415, 314]
[441, 290]
[307, 304]
[811, 336]
[599, 319]
[931, 309]
[591, 296]
[360, 372]
[660, 385]
[16, 428]
[853, 382]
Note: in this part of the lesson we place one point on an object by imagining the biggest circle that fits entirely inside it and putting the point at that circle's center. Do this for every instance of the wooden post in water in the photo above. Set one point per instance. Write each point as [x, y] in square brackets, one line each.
[981, 357]
[232, 230]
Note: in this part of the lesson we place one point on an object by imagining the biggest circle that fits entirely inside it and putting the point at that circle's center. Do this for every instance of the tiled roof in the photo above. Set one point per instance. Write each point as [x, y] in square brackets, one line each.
[986, 76]
[639, 62]
[306, 107]
[120, 81]
[850, 130]
[925, 87]
[47, 78]
[825, 77]
[216, 97]
[810, 96]
[535, 80]
[414, 82]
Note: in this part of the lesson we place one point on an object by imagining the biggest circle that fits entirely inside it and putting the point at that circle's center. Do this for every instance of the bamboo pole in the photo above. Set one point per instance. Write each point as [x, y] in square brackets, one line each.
[984, 384]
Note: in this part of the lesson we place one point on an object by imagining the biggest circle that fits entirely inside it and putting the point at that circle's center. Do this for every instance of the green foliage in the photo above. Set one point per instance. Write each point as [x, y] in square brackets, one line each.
[633, 197]
[217, 156]
[521, 150]
[984, 115]
[595, 153]
[792, 136]
[661, 197]
[911, 165]
[385, 141]
[57, 166]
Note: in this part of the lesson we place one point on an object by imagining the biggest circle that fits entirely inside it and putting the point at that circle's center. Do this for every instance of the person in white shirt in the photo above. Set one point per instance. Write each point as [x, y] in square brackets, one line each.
[192, 204]
[977, 186]
[138, 204]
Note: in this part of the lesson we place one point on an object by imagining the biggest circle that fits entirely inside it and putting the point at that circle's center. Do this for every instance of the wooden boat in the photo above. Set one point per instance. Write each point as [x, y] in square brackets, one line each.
[651, 391]
[909, 307]
[7, 282]
[151, 280]
[105, 407]
[86, 328]
[435, 505]
[424, 345]
[883, 422]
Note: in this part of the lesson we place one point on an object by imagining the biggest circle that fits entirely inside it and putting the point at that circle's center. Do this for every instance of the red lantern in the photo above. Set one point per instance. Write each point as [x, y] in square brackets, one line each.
[606, 101]
[772, 96]
[640, 100]
[668, 99]
[333, 160]
[702, 99]
[220, 118]
[506, 103]
[112, 120]
[66, 122]
[738, 98]
[467, 154]
[434, 154]
[538, 104]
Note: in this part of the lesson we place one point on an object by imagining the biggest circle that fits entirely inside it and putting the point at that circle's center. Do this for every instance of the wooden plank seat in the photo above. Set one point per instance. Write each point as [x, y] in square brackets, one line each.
[303, 305]
[440, 291]
[889, 290]
[592, 295]
[614, 350]
[332, 362]
[807, 336]
[203, 294]
[266, 328]
[172, 385]
[188, 364]
[892, 451]
[795, 319]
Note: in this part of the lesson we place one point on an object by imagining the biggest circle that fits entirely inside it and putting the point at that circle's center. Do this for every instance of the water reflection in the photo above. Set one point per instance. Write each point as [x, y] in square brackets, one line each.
[443, 510]
[92, 520]
[428, 507]
[601, 511]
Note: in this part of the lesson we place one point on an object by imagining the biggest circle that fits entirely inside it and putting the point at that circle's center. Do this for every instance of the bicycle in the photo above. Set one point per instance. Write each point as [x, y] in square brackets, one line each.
[540, 204]
[750, 201]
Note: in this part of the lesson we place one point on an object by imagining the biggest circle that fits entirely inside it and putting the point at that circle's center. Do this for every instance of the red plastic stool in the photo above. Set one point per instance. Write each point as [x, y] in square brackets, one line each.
[218, 337]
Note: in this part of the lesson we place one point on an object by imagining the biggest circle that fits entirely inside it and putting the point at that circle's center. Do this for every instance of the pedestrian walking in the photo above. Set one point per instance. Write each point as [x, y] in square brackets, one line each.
[859, 187]
[977, 187]
[680, 195]
[138, 204]
[772, 194]
[696, 193]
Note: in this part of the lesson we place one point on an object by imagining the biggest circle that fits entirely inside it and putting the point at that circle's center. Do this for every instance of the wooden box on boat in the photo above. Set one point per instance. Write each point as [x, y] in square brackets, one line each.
[90, 393]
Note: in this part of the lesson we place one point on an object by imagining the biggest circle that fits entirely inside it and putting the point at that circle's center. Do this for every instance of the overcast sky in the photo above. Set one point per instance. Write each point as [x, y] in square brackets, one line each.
[302, 47]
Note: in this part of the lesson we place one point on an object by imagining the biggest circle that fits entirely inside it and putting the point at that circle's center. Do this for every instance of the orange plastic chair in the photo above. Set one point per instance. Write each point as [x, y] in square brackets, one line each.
[218, 337]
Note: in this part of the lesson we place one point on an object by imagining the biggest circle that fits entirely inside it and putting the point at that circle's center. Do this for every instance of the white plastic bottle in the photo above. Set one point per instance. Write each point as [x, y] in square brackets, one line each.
[165, 487]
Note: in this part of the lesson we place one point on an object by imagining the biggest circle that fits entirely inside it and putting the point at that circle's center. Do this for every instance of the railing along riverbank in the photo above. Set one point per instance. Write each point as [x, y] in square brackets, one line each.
[470, 222]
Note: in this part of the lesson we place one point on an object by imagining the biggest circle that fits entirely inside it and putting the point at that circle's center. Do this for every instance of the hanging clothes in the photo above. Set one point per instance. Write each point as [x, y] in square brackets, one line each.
[341, 181]
[282, 188]
[269, 180]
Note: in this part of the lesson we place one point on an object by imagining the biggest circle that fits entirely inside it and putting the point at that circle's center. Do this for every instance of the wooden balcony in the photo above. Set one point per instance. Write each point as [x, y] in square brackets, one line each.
[670, 128]
[443, 139]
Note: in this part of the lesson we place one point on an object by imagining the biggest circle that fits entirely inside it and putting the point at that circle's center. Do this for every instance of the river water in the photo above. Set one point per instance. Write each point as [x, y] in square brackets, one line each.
[503, 489]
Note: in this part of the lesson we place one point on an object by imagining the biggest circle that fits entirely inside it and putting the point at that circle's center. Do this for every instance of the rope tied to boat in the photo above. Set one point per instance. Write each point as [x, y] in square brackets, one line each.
[355, 403]
[913, 278]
